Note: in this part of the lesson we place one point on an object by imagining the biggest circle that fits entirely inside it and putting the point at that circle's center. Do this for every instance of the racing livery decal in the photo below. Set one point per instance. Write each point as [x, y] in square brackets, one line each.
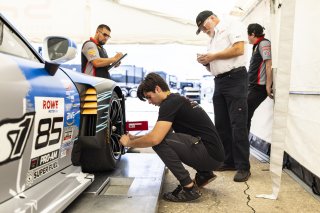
[39, 172]
[14, 134]
[67, 142]
[48, 125]
[44, 159]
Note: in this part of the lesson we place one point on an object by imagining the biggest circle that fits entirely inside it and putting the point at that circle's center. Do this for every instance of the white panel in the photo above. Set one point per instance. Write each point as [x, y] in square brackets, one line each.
[262, 120]
[303, 143]
[306, 61]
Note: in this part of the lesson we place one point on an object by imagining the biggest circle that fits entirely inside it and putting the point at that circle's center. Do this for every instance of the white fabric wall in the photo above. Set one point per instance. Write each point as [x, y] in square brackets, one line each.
[297, 62]
[302, 141]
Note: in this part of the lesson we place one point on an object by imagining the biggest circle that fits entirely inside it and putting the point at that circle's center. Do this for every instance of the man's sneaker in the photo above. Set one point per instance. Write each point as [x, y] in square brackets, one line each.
[182, 194]
[242, 176]
[204, 178]
[226, 167]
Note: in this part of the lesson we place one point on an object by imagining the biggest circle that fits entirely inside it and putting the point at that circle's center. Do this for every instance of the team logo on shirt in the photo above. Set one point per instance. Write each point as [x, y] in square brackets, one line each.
[91, 52]
[266, 53]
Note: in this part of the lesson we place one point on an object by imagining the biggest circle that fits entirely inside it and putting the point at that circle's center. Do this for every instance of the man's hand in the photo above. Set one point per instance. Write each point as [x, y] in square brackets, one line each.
[205, 59]
[125, 140]
[132, 137]
[269, 91]
[118, 56]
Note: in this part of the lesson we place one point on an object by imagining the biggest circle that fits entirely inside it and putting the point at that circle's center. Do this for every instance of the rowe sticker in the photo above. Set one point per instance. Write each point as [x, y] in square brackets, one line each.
[48, 125]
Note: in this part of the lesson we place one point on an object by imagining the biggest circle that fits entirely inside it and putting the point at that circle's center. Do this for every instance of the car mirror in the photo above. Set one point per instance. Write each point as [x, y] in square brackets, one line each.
[59, 49]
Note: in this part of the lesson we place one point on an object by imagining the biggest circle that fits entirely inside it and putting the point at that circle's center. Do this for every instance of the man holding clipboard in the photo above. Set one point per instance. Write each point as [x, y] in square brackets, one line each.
[94, 58]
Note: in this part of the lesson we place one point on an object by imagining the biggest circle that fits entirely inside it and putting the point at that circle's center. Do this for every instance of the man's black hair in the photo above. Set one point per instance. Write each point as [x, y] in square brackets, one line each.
[255, 28]
[101, 26]
[149, 85]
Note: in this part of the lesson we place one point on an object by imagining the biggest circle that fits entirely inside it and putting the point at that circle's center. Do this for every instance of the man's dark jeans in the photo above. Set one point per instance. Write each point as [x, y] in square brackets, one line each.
[178, 148]
[256, 95]
[231, 115]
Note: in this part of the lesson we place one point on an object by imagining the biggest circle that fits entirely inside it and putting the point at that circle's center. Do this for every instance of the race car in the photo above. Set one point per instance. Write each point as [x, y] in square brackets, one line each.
[56, 125]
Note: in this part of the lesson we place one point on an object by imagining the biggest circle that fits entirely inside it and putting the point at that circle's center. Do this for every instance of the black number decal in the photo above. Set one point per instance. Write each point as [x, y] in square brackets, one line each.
[19, 145]
[14, 134]
[56, 130]
[43, 133]
[43, 138]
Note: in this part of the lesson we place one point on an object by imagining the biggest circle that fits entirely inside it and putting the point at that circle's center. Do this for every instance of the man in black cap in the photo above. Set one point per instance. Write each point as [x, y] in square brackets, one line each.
[226, 60]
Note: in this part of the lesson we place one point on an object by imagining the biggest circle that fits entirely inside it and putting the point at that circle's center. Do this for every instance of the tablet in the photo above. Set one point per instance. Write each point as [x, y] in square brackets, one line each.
[113, 64]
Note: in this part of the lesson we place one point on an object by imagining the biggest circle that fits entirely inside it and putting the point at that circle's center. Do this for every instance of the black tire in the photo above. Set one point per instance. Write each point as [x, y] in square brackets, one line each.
[117, 128]
[106, 155]
[124, 92]
[133, 93]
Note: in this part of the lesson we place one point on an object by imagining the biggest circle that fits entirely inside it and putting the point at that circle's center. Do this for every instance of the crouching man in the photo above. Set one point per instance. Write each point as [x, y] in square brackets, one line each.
[184, 133]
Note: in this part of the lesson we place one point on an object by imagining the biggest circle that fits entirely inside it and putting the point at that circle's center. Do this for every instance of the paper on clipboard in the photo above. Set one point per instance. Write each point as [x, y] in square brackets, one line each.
[113, 64]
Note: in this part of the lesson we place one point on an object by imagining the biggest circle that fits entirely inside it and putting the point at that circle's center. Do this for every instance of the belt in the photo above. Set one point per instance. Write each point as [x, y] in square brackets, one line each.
[230, 72]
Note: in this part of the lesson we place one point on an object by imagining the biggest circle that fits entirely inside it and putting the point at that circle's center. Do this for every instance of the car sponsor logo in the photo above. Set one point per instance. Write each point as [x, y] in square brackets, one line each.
[48, 125]
[44, 159]
[14, 134]
[67, 141]
[41, 171]
[70, 118]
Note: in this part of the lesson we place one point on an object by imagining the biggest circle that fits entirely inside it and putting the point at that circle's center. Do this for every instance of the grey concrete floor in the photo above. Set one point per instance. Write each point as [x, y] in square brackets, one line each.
[226, 196]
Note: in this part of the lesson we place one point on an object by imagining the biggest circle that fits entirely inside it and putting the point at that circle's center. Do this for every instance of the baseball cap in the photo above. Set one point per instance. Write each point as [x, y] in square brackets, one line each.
[201, 18]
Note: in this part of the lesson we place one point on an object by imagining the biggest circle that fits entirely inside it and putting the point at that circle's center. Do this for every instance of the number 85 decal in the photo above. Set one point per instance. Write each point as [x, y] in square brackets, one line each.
[14, 134]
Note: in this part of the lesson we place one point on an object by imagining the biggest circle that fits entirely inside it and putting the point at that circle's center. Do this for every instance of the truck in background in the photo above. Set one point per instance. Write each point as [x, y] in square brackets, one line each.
[171, 80]
[128, 77]
[190, 90]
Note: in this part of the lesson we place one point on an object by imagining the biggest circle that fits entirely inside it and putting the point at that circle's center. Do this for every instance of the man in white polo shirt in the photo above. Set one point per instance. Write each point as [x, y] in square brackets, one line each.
[226, 60]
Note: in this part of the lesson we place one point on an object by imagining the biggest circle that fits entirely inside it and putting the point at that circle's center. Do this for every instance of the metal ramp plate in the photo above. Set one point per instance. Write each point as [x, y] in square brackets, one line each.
[134, 186]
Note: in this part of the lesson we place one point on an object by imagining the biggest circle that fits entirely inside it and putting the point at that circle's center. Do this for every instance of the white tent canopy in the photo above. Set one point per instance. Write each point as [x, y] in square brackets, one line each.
[131, 22]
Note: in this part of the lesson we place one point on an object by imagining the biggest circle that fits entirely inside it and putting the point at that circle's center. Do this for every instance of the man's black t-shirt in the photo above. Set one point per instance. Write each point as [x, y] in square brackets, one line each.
[189, 118]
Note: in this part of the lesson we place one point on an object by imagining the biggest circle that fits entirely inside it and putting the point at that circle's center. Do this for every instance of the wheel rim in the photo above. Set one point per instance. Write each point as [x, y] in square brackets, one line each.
[116, 127]
[133, 93]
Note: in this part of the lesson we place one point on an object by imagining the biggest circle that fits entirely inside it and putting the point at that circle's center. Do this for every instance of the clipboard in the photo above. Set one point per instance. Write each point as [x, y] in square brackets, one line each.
[113, 64]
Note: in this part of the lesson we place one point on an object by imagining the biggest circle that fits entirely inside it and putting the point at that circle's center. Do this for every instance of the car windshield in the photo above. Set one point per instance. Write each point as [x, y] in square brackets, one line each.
[11, 44]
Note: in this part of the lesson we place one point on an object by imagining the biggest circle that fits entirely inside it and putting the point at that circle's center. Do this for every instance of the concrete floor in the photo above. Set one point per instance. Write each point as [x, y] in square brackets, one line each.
[225, 195]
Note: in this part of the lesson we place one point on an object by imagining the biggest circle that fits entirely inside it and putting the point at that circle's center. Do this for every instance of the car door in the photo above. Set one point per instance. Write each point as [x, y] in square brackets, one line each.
[39, 116]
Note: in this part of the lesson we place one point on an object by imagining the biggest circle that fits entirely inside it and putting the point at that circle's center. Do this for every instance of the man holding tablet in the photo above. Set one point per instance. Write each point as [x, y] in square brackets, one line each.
[94, 58]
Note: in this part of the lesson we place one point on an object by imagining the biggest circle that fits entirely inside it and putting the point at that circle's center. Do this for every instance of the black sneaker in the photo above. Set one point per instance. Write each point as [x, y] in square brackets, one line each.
[202, 179]
[242, 176]
[226, 167]
[182, 194]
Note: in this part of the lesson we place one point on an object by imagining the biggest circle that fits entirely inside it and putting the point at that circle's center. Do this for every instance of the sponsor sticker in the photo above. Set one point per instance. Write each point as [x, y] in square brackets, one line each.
[37, 173]
[44, 159]
[48, 125]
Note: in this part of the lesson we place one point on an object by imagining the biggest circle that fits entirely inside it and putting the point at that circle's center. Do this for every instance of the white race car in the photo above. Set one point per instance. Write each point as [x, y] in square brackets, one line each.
[56, 125]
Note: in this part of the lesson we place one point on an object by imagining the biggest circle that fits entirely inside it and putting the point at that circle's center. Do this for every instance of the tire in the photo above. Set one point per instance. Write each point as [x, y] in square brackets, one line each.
[117, 123]
[124, 92]
[107, 154]
[133, 93]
